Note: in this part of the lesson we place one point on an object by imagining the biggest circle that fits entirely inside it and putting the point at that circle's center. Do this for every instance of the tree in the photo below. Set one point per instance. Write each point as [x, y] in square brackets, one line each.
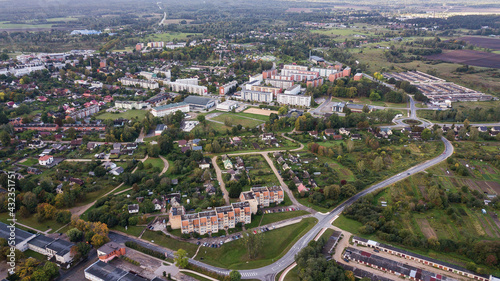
[99, 240]
[30, 201]
[350, 145]
[426, 134]
[473, 134]
[201, 118]
[332, 191]
[74, 235]
[181, 259]
[450, 135]
[253, 243]
[153, 150]
[283, 110]
[349, 275]
[100, 171]
[378, 163]
[360, 166]
[71, 133]
[5, 138]
[51, 270]
[235, 275]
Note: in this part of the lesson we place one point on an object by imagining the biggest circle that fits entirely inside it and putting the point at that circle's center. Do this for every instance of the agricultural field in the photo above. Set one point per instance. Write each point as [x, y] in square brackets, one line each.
[129, 114]
[483, 42]
[469, 57]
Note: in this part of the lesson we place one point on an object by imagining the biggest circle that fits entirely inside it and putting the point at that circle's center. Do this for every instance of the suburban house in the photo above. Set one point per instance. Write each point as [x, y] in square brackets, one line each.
[46, 160]
[133, 208]
[302, 188]
[204, 163]
[159, 129]
[109, 165]
[267, 136]
[329, 132]
[116, 171]
[227, 164]
[109, 251]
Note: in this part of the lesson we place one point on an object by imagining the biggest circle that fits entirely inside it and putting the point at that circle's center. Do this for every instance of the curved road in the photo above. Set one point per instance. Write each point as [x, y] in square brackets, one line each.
[324, 220]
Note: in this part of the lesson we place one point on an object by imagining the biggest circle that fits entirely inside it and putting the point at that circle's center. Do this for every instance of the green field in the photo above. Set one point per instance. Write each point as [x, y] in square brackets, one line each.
[167, 37]
[265, 219]
[156, 162]
[30, 162]
[276, 243]
[5, 25]
[36, 255]
[237, 119]
[129, 114]
[131, 230]
[161, 239]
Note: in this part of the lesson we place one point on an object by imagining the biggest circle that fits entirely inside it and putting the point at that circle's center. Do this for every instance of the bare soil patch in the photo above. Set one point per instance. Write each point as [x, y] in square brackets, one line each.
[469, 57]
[260, 111]
[426, 228]
[483, 42]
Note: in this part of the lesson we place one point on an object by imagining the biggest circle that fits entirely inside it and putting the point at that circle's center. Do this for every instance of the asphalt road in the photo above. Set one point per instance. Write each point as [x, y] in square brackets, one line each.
[324, 220]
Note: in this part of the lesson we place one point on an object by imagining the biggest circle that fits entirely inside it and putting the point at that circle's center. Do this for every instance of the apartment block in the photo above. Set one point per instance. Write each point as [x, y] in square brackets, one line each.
[297, 100]
[263, 196]
[210, 221]
[294, 67]
[259, 96]
[273, 90]
[284, 84]
[132, 104]
[85, 112]
[224, 89]
[189, 85]
[141, 83]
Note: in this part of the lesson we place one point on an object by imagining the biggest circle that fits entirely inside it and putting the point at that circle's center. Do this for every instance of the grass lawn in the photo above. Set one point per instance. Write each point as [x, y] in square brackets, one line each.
[349, 225]
[264, 219]
[276, 244]
[33, 254]
[129, 114]
[196, 276]
[30, 162]
[327, 234]
[5, 25]
[32, 222]
[156, 162]
[161, 239]
[292, 275]
[263, 118]
[131, 230]
[304, 201]
[237, 119]
[150, 139]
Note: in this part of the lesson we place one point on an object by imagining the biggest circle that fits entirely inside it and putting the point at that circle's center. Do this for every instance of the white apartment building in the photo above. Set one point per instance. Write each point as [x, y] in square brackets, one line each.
[297, 100]
[131, 104]
[142, 83]
[258, 96]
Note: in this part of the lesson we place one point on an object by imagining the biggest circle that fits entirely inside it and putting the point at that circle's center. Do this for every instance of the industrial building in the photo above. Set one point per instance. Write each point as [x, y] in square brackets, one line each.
[199, 103]
[167, 109]
[227, 105]
[438, 90]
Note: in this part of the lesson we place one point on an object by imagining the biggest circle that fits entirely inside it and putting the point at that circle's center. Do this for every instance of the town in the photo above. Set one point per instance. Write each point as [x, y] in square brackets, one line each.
[316, 142]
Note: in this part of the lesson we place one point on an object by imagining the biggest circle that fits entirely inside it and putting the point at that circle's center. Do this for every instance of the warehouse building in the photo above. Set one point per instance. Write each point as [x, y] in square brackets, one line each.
[167, 109]
[199, 103]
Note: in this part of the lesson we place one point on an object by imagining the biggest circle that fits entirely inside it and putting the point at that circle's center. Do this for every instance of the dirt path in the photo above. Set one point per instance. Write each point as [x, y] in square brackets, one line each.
[222, 185]
[81, 209]
[165, 165]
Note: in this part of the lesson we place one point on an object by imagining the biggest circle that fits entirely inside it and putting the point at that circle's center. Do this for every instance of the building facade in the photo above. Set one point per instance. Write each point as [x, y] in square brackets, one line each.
[297, 100]
[259, 96]
[167, 109]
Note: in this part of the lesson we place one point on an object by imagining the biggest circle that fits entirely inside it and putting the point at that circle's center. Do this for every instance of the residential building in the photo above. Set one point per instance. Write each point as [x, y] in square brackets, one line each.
[133, 208]
[109, 251]
[138, 82]
[85, 112]
[159, 129]
[212, 221]
[167, 109]
[284, 84]
[132, 104]
[187, 85]
[263, 196]
[224, 89]
[358, 76]
[273, 90]
[294, 90]
[46, 160]
[259, 96]
[296, 100]
[338, 107]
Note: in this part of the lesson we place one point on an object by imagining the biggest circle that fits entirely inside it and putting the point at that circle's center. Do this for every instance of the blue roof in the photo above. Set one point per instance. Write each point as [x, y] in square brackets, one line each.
[197, 148]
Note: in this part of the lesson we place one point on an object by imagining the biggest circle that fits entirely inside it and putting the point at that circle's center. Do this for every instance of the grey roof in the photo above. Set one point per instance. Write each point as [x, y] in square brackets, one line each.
[61, 247]
[108, 272]
[197, 100]
[170, 105]
[41, 241]
[109, 247]
[21, 235]
[160, 127]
